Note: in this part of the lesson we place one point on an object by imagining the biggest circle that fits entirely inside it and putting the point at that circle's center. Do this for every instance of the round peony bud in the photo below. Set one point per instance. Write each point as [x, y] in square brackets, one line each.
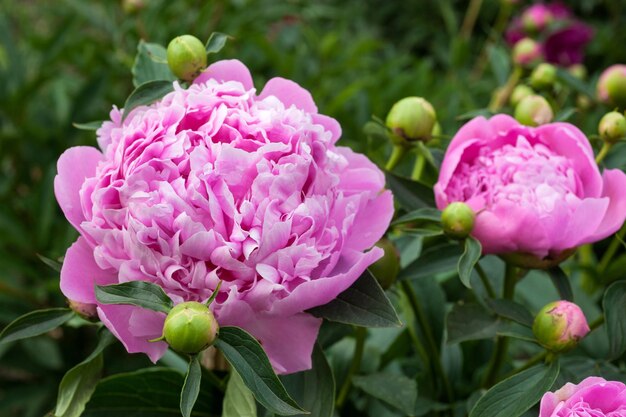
[386, 269]
[536, 18]
[578, 71]
[412, 119]
[526, 51]
[612, 127]
[458, 220]
[612, 85]
[543, 76]
[133, 6]
[186, 57]
[533, 111]
[85, 310]
[560, 325]
[519, 92]
[190, 327]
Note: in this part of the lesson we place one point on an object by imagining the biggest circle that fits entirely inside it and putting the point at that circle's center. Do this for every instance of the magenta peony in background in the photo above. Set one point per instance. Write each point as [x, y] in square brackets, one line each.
[212, 183]
[536, 191]
[593, 397]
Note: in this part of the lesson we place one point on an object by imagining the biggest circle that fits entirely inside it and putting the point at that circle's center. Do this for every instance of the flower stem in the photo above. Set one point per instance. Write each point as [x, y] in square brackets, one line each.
[418, 167]
[596, 323]
[485, 280]
[529, 364]
[603, 152]
[501, 95]
[470, 18]
[360, 333]
[610, 252]
[430, 339]
[395, 157]
[498, 28]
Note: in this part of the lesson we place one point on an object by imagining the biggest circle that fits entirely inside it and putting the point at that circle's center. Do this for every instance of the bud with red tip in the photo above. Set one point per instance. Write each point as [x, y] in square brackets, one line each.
[612, 85]
[560, 325]
[526, 51]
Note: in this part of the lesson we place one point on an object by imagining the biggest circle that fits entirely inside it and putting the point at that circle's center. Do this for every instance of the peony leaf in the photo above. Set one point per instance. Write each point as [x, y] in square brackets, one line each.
[471, 322]
[435, 260]
[88, 125]
[246, 355]
[80, 382]
[137, 293]
[313, 389]
[613, 304]
[363, 304]
[147, 93]
[574, 83]
[411, 195]
[35, 323]
[512, 311]
[216, 42]
[149, 392]
[151, 64]
[500, 63]
[471, 255]
[238, 400]
[513, 396]
[191, 386]
[561, 283]
[427, 214]
[396, 390]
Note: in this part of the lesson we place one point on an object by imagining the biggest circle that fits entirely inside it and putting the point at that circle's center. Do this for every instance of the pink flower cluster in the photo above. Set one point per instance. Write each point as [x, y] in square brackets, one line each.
[536, 191]
[593, 397]
[216, 183]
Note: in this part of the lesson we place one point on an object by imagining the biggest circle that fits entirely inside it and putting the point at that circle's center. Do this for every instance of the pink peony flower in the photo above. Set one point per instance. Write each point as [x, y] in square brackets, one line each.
[593, 397]
[212, 183]
[536, 191]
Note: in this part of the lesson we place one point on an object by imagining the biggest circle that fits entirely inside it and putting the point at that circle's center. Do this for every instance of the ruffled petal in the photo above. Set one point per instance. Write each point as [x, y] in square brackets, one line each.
[227, 70]
[289, 93]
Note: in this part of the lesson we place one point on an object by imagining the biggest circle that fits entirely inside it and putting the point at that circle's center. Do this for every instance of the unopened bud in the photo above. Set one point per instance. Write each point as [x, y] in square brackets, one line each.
[190, 327]
[526, 51]
[519, 92]
[612, 127]
[186, 57]
[560, 325]
[536, 18]
[386, 269]
[612, 85]
[533, 111]
[578, 71]
[133, 6]
[543, 76]
[458, 220]
[412, 119]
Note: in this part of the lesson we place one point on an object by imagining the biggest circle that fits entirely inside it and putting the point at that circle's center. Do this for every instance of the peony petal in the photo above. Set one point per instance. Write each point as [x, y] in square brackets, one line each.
[371, 222]
[80, 273]
[289, 93]
[615, 189]
[74, 166]
[329, 124]
[134, 326]
[227, 70]
[582, 224]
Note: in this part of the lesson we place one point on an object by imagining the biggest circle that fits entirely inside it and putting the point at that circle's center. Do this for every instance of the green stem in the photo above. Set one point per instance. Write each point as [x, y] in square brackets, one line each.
[470, 18]
[395, 157]
[610, 252]
[485, 280]
[360, 334]
[596, 323]
[501, 95]
[502, 343]
[606, 147]
[430, 339]
[498, 28]
[418, 168]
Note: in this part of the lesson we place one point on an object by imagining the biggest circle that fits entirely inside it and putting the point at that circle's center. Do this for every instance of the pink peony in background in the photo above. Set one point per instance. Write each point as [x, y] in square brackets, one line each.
[212, 183]
[536, 191]
[593, 397]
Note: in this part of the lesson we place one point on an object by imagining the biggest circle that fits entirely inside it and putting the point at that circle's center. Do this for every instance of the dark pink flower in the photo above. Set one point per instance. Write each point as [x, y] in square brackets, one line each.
[593, 397]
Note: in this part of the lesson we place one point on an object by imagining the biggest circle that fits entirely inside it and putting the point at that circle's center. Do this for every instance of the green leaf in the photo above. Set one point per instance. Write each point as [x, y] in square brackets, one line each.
[565, 114]
[513, 396]
[433, 261]
[88, 125]
[151, 64]
[363, 304]
[246, 355]
[314, 389]
[216, 42]
[396, 390]
[471, 255]
[149, 392]
[512, 311]
[137, 293]
[35, 323]
[574, 83]
[471, 322]
[500, 63]
[238, 401]
[422, 232]
[191, 386]
[147, 93]
[424, 214]
[80, 382]
[561, 283]
[613, 304]
[411, 195]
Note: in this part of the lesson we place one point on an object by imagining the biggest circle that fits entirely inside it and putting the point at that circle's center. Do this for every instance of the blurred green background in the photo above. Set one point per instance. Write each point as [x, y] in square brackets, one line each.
[69, 61]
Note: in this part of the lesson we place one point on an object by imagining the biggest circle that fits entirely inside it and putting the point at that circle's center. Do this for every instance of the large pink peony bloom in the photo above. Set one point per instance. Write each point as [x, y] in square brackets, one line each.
[593, 397]
[537, 191]
[218, 183]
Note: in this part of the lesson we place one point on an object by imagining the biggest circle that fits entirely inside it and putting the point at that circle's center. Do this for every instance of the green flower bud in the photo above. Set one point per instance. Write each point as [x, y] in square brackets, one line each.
[458, 220]
[186, 57]
[543, 76]
[578, 71]
[560, 325]
[190, 327]
[519, 92]
[133, 6]
[612, 85]
[526, 51]
[612, 127]
[533, 111]
[412, 119]
[386, 269]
